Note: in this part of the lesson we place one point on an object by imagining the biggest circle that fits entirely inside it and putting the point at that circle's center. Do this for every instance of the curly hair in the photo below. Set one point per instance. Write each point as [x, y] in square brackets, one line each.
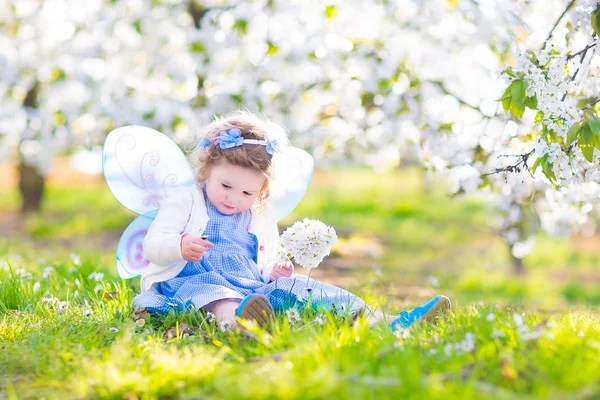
[247, 155]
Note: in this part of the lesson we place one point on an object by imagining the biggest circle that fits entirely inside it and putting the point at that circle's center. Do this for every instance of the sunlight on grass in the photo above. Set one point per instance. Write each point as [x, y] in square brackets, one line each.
[67, 330]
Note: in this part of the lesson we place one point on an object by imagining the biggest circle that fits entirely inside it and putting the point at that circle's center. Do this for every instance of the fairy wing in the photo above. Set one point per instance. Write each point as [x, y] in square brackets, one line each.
[293, 171]
[130, 253]
[141, 167]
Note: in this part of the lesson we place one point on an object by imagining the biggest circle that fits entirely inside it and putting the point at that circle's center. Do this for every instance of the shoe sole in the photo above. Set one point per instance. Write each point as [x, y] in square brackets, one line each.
[442, 306]
[257, 308]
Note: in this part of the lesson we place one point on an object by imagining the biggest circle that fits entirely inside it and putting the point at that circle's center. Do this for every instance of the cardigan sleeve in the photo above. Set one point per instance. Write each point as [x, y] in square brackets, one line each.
[162, 244]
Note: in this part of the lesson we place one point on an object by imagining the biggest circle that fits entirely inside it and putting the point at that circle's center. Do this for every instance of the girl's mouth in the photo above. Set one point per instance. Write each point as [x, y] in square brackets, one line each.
[228, 207]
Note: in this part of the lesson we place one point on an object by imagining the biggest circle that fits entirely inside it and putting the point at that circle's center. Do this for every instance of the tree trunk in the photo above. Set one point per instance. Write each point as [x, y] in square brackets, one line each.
[518, 266]
[31, 187]
[31, 183]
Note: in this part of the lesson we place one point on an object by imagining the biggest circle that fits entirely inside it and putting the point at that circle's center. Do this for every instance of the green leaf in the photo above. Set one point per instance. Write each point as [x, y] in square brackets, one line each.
[241, 25]
[197, 47]
[506, 100]
[586, 143]
[517, 95]
[539, 117]
[517, 109]
[596, 21]
[547, 170]
[331, 11]
[537, 163]
[517, 91]
[595, 125]
[506, 104]
[574, 132]
[531, 102]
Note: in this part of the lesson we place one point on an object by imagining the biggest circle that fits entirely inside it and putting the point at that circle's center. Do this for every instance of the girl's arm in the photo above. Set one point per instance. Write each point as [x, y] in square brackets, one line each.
[162, 244]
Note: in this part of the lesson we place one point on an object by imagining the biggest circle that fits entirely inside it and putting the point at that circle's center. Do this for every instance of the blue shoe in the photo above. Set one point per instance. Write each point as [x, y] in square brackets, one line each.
[426, 312]
[256, 307]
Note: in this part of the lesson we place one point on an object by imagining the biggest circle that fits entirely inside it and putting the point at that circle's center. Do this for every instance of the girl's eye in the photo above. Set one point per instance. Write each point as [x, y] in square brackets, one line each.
[248, 194]
[226, 186]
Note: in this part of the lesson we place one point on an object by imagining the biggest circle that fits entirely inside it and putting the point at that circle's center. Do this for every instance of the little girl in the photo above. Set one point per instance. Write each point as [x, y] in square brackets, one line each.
[214, 246]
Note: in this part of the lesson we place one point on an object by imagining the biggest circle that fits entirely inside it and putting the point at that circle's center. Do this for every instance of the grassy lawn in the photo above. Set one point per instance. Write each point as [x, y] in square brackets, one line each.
[67, 330]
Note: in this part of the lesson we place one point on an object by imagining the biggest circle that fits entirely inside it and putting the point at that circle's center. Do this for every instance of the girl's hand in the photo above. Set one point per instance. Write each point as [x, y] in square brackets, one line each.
[281, 271]
[193, 247]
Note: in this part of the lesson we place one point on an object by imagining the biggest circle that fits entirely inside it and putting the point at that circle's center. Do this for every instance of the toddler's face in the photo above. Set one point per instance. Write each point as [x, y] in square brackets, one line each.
[232, 189]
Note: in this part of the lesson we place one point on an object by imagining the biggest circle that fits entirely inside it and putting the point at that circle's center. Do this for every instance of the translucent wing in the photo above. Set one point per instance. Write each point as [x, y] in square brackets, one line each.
[130, 253]
[142, 166]
[293, 171]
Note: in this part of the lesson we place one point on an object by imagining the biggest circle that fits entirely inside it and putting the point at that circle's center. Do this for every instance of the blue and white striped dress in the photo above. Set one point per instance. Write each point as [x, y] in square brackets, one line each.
[229, 271]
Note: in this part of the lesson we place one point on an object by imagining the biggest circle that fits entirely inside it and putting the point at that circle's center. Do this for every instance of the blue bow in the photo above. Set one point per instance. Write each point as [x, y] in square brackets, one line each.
[204, 143]
[230, 138]
[272, 146]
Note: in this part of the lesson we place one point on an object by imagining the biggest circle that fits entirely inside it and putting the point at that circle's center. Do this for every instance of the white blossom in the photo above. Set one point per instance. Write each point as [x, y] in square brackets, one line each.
[308, 242]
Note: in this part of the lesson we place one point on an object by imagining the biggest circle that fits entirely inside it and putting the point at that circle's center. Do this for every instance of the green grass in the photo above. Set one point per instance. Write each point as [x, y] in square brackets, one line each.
[84, 344]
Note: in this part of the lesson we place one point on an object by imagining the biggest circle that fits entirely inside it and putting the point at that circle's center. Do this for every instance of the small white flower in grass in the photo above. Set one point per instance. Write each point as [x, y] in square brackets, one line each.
[77, 283]
[97, 276]
[47, 272]
[114, 329]
[140, 322]
[210, 317]
[75, 258]
[308, 242]
[51, 300]
[468, 343]
[293, 316]
[41, 261]
[580, 334]
[534, 335]
[87, 312]
[36, 287]
[448, 348]
[225, 326]
[20, 272]
[62, 306]
[518, 319]
[402, 333]
[3, 264]
[320, 319]
[498, 333]
[76, 294]
[72, 269]
[97, 288]
[47, 293]
[490, 317]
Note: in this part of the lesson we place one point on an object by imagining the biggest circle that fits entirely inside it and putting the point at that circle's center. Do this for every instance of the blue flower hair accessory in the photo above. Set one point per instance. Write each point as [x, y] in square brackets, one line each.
[233, 138]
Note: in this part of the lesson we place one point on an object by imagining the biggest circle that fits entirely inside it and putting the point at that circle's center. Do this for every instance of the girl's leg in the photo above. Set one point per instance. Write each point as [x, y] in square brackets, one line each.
[375, 317]
[224, 310]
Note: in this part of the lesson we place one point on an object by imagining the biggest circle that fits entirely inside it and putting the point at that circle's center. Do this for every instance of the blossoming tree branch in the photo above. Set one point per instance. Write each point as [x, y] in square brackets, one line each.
[366, 82]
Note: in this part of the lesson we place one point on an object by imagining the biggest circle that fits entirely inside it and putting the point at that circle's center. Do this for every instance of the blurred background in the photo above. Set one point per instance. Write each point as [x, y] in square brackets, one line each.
[396, 100]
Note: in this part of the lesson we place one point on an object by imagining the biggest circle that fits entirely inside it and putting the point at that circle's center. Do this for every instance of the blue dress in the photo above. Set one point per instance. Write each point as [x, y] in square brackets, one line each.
[229, 271]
